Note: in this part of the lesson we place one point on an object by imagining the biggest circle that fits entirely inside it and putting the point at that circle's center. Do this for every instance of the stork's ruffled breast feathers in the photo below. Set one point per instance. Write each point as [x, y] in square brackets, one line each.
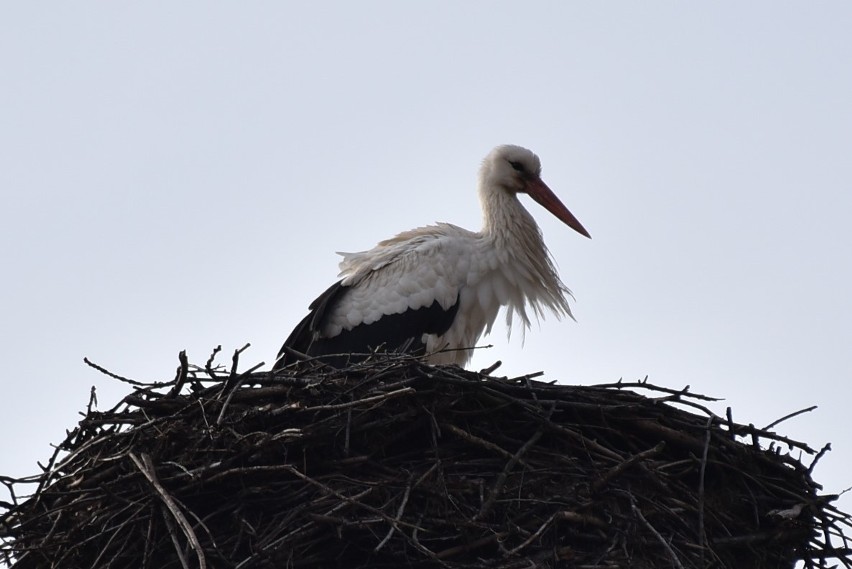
[435, 289]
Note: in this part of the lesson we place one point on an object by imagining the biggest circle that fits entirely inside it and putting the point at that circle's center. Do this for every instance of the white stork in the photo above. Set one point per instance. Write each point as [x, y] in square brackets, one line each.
[436, 289]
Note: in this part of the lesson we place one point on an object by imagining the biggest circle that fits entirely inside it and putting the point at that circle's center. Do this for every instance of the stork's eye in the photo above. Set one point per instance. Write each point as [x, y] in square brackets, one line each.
[517, 166]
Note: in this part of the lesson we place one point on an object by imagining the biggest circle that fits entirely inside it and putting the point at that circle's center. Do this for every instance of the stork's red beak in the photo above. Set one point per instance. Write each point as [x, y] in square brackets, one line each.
[539, 191]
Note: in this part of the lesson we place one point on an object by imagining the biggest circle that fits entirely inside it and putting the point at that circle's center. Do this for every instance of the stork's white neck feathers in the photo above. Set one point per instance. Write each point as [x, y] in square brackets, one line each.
[510, 229]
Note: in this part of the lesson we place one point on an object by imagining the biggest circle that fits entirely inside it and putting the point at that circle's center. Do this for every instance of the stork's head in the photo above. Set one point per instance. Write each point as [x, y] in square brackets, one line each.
[516, 170]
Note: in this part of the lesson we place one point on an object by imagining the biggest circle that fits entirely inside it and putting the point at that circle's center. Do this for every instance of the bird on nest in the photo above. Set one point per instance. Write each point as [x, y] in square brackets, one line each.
[434, 290]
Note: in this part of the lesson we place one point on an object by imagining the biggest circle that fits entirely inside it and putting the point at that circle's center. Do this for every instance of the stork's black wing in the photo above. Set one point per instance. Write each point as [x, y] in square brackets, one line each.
[402, 332]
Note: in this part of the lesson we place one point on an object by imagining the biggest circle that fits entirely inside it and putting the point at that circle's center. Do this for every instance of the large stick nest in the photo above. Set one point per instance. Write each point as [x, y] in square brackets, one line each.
[394, 463]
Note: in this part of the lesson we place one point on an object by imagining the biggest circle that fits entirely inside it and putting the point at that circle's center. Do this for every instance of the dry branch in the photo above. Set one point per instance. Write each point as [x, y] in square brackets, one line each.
[393, 463]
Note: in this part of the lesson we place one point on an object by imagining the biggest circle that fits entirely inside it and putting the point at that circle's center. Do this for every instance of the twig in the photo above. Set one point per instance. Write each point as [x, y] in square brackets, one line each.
[170, 524]
[355, 403]
[702, 537]
[790, 416]
[532, 537]
[477, 440]
[295, 356]
[93, 401]
[399, 512]
[348, 431]
[146, 467]
[293, 470]
[652, 387]
[180, 377]
[208, 366]
[235, 359]
[501, 478]
[819, 455]
[232, 388]
[635, 508]
[471, 545]
[115, 376]
[231, 384]
[729, 415]
[616, 471]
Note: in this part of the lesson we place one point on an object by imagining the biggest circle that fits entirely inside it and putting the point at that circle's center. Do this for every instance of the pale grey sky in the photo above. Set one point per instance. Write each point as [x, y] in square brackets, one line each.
[178, 175]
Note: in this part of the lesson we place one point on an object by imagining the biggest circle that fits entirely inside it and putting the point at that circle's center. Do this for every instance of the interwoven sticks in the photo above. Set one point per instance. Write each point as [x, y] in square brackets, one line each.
[393, 463]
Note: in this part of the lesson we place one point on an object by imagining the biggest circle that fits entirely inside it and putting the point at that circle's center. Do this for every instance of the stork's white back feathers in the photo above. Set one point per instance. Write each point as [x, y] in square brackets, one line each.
[438, 288]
